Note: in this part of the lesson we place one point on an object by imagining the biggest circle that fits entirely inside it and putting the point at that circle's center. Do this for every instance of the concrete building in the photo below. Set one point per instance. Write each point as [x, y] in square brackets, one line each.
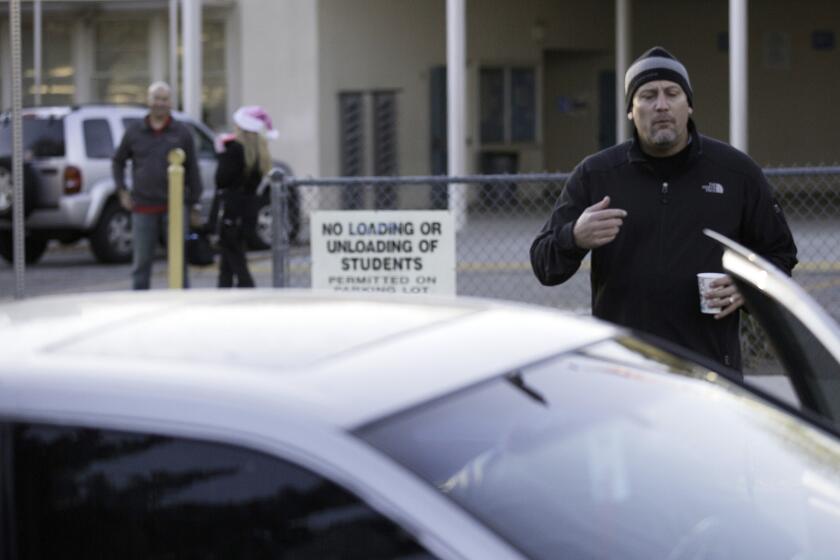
[359, 86]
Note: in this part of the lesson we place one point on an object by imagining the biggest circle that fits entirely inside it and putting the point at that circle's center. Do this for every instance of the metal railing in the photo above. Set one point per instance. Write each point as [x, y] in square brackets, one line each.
[503, 213]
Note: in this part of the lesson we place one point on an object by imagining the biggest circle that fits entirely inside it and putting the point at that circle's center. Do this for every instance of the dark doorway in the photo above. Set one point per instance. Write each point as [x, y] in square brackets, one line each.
[438, 148]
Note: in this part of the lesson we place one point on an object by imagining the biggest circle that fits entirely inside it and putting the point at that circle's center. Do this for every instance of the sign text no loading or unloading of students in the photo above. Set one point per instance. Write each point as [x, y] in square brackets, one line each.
[400, 251]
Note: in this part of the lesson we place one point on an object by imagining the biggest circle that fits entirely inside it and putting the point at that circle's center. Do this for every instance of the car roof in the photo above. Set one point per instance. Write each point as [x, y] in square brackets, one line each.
[345, 359]
[61, 111]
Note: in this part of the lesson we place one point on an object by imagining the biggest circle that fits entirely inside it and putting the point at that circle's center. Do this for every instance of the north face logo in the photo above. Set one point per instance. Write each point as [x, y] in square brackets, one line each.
[713, 188]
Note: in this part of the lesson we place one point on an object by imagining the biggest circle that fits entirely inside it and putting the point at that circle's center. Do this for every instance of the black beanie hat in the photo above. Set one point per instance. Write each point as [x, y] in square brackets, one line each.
[656, 64]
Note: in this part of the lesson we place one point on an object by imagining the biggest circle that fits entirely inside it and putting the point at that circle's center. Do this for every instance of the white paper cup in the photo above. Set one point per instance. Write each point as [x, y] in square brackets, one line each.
[704, 280]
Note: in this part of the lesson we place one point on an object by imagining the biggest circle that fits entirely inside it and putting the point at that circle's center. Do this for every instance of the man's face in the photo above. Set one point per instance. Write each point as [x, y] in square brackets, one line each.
[160, 103]
[660, 113]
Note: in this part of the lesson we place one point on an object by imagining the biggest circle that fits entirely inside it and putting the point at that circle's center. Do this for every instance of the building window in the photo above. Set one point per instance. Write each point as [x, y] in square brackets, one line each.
[523, 105]
[121, 64]
[214, 90]
[57, 70]
[508, 104]
[492, 105]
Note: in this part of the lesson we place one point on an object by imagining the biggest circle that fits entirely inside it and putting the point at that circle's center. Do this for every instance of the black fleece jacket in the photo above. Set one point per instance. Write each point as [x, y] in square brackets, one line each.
[646, 278]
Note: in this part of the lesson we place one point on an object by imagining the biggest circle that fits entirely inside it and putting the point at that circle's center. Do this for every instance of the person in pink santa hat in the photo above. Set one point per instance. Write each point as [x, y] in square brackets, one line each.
[244, 160]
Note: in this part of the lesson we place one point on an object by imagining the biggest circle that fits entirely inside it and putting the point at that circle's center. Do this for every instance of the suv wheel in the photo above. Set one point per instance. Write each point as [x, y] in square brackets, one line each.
[7, 188]
[260, 238]
[111, 240]
[34, 247]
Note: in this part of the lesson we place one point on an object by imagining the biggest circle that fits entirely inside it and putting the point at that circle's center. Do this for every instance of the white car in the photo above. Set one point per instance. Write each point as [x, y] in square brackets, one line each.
[276, 424]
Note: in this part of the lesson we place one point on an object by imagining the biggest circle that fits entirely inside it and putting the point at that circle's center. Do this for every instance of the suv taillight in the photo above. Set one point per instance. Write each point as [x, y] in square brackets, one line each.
[72, 180]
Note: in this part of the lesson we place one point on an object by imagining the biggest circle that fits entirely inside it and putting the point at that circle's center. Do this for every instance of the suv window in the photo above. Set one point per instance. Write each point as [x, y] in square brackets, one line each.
[128, 122]
[41, 137]
[87, 493]
[203, 145]
[99, 143]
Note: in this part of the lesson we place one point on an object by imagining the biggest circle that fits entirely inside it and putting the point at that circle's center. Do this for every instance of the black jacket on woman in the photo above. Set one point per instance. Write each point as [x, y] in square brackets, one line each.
[236, 189]
[645, 279]
[231, 174]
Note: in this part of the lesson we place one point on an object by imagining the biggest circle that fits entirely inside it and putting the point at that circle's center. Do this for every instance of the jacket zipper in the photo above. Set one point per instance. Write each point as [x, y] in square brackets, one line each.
[663, 200]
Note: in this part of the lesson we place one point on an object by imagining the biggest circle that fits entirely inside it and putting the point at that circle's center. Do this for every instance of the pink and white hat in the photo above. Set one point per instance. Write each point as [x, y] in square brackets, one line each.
[253, 118]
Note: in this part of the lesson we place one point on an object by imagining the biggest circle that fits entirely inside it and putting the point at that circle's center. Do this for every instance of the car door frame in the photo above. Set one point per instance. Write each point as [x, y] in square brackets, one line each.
[805, 337]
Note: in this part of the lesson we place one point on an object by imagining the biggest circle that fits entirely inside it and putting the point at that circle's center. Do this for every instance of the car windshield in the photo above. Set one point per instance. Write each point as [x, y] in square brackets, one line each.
[625, 452]
[41, 137]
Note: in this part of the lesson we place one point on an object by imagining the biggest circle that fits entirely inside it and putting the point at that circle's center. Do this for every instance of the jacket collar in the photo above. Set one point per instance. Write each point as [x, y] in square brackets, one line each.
[148, 122]
[636, 155]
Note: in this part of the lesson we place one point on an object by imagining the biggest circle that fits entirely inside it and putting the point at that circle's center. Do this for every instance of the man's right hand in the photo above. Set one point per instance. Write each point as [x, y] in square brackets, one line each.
[125, 199]
[598, 225]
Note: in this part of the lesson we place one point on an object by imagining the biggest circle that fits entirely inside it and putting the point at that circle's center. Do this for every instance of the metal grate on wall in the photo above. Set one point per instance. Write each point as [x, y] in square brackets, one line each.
[368, 145]
[351, 114]
[385, 146]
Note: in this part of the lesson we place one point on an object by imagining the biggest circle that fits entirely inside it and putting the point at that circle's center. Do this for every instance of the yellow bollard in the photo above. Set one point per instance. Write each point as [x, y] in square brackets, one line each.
[175, 243]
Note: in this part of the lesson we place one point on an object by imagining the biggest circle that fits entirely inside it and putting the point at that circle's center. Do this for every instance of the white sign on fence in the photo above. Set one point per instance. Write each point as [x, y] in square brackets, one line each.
[393, 251]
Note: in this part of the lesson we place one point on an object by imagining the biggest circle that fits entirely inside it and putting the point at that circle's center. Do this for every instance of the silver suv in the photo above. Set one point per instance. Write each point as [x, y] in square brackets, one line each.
[69, 190]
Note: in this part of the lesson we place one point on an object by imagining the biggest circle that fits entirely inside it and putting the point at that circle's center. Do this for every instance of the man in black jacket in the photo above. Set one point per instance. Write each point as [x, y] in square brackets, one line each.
[641, 208]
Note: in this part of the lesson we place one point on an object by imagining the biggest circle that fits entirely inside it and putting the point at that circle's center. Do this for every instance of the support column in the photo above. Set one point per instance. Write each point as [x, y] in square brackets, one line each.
[623, 41]
[19, 258]
[738, 74]
[157, 48]
[37, 43]
[191, 33]
[5, 64]
[173, 53]
[83, 66]
[456, 91]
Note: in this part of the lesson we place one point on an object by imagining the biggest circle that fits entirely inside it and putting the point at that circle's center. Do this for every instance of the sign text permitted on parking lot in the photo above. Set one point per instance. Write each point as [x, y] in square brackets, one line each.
[399, 251]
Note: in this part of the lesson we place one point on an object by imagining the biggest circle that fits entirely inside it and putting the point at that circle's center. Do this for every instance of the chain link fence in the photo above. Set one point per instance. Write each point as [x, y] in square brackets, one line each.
[502, 214]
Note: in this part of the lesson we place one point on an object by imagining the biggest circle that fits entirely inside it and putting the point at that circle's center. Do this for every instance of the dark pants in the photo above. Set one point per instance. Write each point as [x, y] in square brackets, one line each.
[237, 219]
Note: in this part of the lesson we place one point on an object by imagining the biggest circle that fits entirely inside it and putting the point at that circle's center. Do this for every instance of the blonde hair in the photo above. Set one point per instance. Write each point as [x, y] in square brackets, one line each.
[256, 150]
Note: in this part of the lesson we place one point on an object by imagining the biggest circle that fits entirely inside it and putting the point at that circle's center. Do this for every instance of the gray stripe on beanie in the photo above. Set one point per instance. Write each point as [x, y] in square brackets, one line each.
[654, 63]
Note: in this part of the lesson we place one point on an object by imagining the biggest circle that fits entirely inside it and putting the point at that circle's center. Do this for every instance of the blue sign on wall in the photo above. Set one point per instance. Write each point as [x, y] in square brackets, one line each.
[822, 40]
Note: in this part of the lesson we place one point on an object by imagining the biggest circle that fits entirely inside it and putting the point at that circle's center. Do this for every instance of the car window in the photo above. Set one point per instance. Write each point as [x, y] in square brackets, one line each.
[811, 367]
[623, 452]
[86, 493]
[203, 143]
[128, 122]
[42, 137]
[805, 337]
[99, 143]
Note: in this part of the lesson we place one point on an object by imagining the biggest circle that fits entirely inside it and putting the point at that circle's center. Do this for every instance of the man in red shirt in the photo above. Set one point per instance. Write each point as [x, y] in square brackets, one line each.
[147, 144]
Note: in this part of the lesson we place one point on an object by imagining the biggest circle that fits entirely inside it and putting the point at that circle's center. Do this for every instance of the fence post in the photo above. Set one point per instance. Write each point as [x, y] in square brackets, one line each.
[175, 237]
[279, 228]
[18, 231]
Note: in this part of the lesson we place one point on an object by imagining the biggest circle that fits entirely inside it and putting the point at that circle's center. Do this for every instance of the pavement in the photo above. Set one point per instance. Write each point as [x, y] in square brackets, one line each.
[71, 269]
